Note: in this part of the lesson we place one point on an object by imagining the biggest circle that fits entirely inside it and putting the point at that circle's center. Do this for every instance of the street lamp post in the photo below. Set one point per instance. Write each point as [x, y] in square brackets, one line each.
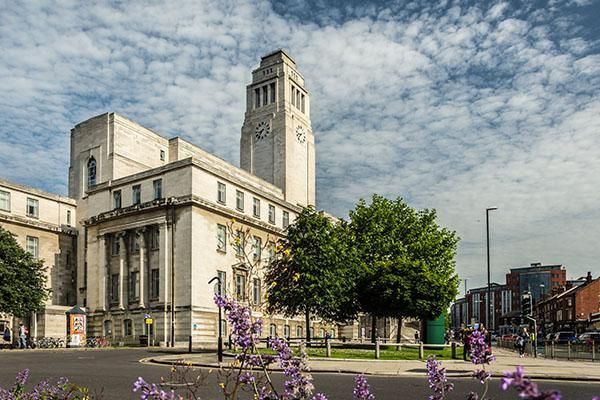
[489, 288]
[220, 339]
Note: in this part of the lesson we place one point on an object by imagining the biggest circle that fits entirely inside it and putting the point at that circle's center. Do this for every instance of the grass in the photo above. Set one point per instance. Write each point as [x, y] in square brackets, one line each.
[386, 353]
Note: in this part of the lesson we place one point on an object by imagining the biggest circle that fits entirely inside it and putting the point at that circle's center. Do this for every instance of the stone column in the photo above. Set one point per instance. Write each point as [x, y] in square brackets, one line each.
[143, 266]
[102, 283]
[163, 262]
[122, 260]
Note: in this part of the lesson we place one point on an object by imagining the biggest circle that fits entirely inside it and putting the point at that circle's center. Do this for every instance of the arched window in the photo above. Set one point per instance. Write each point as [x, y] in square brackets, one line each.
[91, 172]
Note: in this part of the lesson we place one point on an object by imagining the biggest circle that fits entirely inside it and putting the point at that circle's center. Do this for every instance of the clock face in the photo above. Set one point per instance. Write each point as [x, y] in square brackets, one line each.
[301, 134]
[262, 130]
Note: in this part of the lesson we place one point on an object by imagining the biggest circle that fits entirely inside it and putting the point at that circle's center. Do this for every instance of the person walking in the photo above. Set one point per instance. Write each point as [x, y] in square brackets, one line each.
[22, 336]
[466, 342]
[7, 335]
[522, 340]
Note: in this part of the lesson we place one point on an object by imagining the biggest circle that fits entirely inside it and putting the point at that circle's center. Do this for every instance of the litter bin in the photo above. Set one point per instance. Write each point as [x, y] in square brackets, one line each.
[144, 340]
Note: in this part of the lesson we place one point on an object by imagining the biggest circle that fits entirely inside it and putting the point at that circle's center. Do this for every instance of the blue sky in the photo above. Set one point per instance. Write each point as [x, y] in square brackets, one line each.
[451, 105]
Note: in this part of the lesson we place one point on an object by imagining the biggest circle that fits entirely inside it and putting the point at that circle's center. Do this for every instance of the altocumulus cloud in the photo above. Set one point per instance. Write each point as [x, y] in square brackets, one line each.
[451, 105]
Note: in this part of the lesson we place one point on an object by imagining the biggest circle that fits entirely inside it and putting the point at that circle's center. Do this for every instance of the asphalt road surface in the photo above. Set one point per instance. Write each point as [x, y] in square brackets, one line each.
[112, 372]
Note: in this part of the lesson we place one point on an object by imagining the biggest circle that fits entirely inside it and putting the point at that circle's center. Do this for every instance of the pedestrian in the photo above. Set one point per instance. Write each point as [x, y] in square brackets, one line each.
[417, 337]
[466, 343]
[522, 340]
[22, 336]
[7, 336]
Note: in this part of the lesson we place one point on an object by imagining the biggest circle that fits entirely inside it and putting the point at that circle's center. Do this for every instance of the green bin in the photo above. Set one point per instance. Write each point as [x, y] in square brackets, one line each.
[435, 330]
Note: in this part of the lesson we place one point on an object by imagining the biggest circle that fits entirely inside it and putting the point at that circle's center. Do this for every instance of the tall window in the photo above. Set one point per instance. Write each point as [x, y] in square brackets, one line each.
[116, 246]
[155, 238]
[136, 194]
[108, 328]
[135, 243]
[240, 287]
[32, 246]
[114, 287]
[91, 172]
[223, 278]
[293, 95]
[4, 200]
[256, 247]
[221, 237]
[272, 330]
[239, 200]
[256, 207]
[154, 283]
[127, 327]
[157, 184]
[286, 219]
[302, 102]
[134, 285]
[272, 89]
[33, 207]
[256, 291]
[68, 217]
[117, 199]
[256, 97]
[162, 155]
[271, 214]
[221, 194]
[287, 332]
[299, 331]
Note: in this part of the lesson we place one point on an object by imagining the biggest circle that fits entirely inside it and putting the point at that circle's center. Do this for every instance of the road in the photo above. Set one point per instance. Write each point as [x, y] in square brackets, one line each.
[112, 372]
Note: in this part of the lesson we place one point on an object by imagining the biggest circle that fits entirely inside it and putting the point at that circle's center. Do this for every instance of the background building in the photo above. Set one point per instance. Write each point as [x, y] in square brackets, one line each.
[537, 279]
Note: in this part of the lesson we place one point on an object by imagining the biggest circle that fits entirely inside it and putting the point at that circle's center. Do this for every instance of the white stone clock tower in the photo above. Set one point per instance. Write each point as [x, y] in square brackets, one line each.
[277, 141]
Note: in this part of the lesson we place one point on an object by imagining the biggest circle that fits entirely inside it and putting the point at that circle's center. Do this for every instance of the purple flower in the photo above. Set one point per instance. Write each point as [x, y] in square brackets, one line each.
[298, 385]
[245, 332]
[526, 388]
[152, 392]
[480, 352]
[481, 375]
[321, 396]
[22, 377]
[362, 389]
[437, 379]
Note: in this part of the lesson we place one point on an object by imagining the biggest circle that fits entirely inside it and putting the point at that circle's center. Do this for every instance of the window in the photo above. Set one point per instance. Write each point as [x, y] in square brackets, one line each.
[134, 285]
[114, 287]
[299, 331]
[222, 275]
[127, 327]
[221, 237]
[287, 331]
[256, 291]
[221, 192]
[136, 194]
[68, 217]
[256, 97]
[298, 99]
[256, 207]
[116, 246]
[272, 89]
[162, 155]
[240, 287]
[117, 199]
[32, 246]
[4, 200]
[33, 207]
[293, 95]
[265, 97]
[272, 330]
[91, 172]
[239, 200]
[256, 247]
[271, 214]
[302, 102]
[154, 283]
[157, 184]
[135, 243]
[286, 219]
[240, 243]
[155, 238]
[108, 328]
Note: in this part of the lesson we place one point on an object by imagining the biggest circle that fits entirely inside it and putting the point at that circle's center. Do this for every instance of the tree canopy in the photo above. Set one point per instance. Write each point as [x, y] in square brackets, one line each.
[407, 260]
[313, 271]
[22, 278]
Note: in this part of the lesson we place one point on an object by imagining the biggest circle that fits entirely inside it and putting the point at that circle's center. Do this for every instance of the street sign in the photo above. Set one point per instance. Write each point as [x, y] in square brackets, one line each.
[149, 321]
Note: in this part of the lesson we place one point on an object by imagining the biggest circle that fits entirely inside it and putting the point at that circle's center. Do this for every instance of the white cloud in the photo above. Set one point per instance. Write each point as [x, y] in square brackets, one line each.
[451, 105]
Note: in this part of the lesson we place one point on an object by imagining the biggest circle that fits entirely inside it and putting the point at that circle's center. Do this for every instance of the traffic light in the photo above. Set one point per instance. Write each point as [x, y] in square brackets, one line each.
[526, 304]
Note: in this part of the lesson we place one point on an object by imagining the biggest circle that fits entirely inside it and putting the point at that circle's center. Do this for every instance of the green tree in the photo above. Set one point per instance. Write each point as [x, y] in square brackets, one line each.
[22, 278]
[312, 274]
[407, 260]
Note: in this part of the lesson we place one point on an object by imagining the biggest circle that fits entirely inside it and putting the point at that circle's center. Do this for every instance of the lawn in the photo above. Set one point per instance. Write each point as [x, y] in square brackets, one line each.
[386, 353]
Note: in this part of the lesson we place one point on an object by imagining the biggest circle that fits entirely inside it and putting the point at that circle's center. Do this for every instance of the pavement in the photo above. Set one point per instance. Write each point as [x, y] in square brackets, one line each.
[506, 360]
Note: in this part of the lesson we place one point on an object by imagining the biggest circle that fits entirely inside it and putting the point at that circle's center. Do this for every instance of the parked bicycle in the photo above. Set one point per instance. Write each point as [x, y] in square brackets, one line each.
[51, 343]
[97, 342]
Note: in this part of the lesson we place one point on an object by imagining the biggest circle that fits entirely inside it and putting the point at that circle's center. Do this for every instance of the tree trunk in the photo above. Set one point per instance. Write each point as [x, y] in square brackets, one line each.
[399, 333]
[307, 320]
[373, 328]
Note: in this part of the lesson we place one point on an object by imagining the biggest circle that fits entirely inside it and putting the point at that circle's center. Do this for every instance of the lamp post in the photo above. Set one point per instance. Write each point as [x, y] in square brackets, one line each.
[220, 339]
[489, 288]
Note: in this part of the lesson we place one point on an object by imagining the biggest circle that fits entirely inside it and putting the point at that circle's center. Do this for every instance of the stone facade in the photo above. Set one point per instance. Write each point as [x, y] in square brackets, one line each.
[44, 224]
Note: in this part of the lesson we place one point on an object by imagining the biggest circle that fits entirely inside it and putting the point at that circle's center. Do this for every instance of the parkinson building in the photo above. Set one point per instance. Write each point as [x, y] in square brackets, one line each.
[157, 218]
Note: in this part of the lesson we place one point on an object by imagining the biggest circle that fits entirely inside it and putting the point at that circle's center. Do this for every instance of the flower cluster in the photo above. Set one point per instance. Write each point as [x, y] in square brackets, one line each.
[60, 389]
[526, 388]
[480, 352]
[362, 391]
[245, 332]
[153, 392]
[437, 379]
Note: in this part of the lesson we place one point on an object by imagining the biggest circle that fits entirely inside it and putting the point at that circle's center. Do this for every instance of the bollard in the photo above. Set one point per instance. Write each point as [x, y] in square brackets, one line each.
[421, 351]
[377, 349]
[593, 350]
[454, 348]
[327, 348]
[189, 344]
[569, 350]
